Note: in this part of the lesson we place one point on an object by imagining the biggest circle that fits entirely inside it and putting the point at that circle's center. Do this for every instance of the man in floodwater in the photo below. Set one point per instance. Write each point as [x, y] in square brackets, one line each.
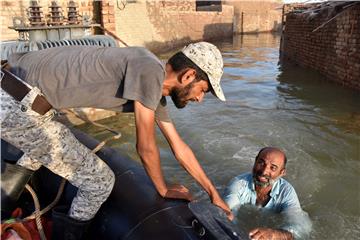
[120, 79]
[266, 188]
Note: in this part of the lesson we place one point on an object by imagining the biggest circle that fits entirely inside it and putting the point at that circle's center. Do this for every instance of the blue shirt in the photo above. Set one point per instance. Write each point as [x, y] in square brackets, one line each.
[283, 199]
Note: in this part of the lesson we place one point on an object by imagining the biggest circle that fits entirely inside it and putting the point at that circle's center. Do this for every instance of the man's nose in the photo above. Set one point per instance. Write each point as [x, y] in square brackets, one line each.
[266, 171]
[200, 97]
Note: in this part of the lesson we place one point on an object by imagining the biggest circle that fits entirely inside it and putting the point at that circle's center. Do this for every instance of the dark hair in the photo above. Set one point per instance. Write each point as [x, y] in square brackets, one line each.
[179, 62]
[272, 149]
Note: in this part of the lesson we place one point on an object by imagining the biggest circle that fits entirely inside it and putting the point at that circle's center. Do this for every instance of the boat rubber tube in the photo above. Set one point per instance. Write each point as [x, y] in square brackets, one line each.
[134, 209]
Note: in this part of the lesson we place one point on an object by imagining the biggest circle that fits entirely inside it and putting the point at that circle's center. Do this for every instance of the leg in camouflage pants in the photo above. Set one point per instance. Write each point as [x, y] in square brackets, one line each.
[51, 144]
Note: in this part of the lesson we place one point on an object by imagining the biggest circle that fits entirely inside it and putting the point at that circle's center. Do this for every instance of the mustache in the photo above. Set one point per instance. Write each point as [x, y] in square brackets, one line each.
[269, 182]
[263, 176]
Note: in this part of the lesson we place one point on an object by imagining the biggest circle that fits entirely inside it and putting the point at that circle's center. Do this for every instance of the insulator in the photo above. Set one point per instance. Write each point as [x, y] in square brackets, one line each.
[56, 14]
[72, 13]
[35, 14]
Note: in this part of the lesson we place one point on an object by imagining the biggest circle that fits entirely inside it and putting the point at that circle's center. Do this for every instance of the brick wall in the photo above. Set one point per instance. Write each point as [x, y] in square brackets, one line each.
[158, 25]
[162, 25]
[108, 15]
[256, 16]
[333, 50]
[11, 8]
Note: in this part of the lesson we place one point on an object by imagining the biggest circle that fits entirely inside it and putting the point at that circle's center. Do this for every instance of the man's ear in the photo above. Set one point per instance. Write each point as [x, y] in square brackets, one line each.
[283, 172]
[188, 76]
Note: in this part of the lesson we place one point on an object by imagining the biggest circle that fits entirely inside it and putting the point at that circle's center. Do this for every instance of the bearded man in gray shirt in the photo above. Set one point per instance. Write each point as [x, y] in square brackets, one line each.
[107, 78]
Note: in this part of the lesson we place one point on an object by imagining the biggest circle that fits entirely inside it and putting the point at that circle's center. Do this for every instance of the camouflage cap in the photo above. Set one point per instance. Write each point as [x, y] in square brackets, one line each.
[208, 58]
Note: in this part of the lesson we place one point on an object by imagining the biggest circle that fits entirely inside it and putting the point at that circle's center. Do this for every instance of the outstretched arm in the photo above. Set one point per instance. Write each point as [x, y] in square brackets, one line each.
[149, 153]
[188, 161]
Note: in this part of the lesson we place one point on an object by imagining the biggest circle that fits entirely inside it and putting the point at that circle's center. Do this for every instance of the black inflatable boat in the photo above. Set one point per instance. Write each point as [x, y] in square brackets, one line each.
[134, 209]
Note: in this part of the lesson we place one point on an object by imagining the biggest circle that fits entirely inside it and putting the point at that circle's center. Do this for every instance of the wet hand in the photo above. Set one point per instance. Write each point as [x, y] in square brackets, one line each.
[221, 204]
[269, 234]
[261, 234]
[178, 191]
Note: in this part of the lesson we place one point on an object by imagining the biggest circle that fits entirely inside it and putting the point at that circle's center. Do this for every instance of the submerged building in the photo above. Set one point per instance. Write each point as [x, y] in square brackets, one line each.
[157, 25]
[324, 37]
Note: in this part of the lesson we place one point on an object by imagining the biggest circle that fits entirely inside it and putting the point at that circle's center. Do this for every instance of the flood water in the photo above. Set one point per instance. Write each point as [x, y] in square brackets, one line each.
[317, 123]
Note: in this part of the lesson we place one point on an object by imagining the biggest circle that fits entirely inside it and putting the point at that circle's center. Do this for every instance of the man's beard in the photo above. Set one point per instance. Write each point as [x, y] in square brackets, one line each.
[270, 181]
[179, 95]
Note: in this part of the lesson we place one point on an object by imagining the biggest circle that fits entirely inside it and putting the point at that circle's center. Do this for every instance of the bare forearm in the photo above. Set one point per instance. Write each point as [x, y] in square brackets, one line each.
[151, 162]
[190, 163]
[188, 160]
[146, 146]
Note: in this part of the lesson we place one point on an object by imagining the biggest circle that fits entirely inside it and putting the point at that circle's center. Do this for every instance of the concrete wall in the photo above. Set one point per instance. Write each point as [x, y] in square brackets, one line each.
[333, 50]
[256, 16]
[162, 25]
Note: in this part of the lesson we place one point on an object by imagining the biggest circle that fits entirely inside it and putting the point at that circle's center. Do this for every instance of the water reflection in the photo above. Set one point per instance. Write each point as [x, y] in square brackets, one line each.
[328, 117]
[297, 83]
[314, 121]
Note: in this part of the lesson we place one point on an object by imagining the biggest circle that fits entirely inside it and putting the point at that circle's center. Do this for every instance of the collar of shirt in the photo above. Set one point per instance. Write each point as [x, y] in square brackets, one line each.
[275, 190]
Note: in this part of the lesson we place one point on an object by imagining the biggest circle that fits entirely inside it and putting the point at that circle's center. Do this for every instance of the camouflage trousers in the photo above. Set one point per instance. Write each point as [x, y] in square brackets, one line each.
[48, 143]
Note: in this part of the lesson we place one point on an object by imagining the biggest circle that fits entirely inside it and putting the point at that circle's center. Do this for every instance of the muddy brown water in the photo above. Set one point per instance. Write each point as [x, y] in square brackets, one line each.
[316, 122]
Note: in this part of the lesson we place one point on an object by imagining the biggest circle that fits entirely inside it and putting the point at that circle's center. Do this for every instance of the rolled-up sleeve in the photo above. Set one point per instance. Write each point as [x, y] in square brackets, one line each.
[236, 193]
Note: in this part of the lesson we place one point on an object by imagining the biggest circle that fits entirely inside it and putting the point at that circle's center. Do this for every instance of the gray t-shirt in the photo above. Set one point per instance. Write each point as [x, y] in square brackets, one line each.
[92, 76]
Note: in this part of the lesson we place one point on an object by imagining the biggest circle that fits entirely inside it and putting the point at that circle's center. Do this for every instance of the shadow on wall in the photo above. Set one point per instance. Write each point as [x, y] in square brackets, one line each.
[276, 27]
[218, 31]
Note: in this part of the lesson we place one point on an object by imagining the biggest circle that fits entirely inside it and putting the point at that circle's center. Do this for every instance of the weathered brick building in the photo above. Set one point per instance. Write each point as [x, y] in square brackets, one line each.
[157, 25]
[256, 16]
[325, 37]
[160, 25]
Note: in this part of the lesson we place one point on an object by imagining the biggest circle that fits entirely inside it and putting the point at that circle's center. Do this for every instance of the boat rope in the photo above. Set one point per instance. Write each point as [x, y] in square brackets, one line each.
[37, 213]
[52, 204]
[112, 35]
[101, 144]
[133, 229]
[72, 112]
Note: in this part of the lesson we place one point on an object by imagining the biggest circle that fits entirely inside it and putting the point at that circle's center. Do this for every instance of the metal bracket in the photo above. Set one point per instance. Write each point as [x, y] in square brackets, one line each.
[1, 75]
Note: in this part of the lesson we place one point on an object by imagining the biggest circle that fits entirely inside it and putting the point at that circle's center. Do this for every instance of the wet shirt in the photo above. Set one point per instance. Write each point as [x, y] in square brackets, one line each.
[283, 199]
[97, 77]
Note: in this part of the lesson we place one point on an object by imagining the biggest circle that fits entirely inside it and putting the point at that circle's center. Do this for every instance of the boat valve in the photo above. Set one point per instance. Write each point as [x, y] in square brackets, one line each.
[198, 228]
